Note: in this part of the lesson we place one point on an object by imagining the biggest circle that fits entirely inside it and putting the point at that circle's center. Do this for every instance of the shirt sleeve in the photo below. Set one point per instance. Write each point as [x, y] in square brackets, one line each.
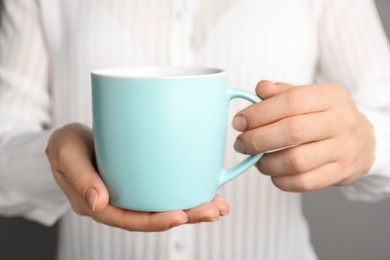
[354, 52]
[27, 187]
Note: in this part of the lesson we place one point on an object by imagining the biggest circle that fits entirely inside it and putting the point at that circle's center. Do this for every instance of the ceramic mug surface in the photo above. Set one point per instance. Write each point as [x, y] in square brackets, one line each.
[160, 132]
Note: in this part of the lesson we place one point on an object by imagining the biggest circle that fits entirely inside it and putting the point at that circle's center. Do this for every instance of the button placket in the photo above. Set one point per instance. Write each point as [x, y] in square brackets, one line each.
[181, 243]
[180, 44]
[176, 245]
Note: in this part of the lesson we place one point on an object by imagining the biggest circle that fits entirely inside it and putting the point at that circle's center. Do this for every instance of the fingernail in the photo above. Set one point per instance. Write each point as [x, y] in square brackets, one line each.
[183, 222]
[91, 197]
[224, 213]
[239, 146]
[240, 123]
[178, 224]
[210, 219]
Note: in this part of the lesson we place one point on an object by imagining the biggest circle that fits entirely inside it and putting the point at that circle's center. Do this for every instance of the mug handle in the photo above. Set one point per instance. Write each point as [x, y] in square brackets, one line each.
[229, 174]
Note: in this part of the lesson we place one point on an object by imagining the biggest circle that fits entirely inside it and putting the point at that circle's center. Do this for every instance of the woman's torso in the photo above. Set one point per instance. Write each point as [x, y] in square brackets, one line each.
[253, 40]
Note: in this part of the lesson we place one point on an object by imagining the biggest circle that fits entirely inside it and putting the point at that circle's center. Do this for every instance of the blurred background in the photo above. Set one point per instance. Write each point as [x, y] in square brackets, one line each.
[340, 229]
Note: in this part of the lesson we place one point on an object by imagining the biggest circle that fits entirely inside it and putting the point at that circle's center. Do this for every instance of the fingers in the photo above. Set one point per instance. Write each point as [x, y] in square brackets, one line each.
[222, 205]
[311, 124]
[299, 159]
[292, 102]
[287, 132]
[160, 221]
[210, 211]
[203, 213]
[266, 89]
[319, 178]
[140, 221]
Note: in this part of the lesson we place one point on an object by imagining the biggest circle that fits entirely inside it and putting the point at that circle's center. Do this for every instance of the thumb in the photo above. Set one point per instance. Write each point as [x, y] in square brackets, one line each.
[96, 194]
[266, 89]
[85, 181]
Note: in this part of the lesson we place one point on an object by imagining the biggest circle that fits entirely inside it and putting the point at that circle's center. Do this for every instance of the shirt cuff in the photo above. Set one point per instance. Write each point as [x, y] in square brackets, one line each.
[27, 186]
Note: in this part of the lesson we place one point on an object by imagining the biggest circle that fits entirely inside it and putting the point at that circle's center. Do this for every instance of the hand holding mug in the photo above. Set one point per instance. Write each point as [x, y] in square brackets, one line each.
[158, 137]
[316, 136]
[71, 154]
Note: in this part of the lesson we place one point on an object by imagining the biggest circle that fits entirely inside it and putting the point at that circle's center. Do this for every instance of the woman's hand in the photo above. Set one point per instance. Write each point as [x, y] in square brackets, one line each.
[314, 134]
[71, 154]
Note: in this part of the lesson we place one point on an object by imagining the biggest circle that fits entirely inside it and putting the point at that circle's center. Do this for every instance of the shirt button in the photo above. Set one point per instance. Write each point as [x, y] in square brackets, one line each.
[179, 246]
[179, 14]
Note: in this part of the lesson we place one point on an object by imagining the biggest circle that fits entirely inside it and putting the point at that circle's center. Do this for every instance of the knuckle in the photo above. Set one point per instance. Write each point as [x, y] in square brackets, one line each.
[79, 209]
[296, 131]
[293, 102]
[127, 224]
[77, 181]
[252, 144]
[340, 90]
[352, 122]
[296, 160]
[66, 149]
[212, 213]
[341, 94]
[279, 183]
[303, 183]
[299, 183]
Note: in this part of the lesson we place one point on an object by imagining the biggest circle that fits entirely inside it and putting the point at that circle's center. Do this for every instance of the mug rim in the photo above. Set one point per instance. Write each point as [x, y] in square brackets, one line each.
[157, 72]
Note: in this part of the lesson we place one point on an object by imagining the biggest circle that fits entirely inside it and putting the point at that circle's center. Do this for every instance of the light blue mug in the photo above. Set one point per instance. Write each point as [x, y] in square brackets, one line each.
[159, 135]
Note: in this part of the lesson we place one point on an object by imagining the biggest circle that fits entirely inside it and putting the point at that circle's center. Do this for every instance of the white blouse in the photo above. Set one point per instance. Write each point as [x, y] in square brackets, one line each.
[48, 48]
